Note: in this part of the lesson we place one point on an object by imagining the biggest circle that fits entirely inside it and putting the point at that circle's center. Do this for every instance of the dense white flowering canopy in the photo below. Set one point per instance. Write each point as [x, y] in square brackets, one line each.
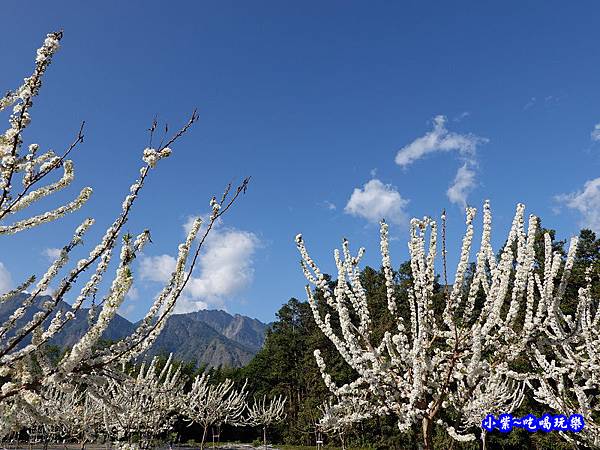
[456, 363]
[265, 413]
[214, 404]
[567, 359]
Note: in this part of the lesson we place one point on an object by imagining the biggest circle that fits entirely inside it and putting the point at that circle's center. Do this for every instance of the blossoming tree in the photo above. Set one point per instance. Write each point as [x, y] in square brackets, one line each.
[213, 404]
[567, 357]
[265, 413]
[25, 368]
[456, 363]
[145, 405]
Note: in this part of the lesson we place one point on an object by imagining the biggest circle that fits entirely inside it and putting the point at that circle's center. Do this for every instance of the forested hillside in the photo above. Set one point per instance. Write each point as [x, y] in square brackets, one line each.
[210, 337]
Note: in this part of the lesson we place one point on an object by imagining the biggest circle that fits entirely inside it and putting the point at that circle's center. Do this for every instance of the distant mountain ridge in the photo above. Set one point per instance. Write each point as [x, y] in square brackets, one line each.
[241, 329]
[211, 337]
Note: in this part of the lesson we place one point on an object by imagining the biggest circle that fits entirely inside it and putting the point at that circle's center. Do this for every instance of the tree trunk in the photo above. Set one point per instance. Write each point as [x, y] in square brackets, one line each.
[265, 436]
[427, 432]
[203, 437]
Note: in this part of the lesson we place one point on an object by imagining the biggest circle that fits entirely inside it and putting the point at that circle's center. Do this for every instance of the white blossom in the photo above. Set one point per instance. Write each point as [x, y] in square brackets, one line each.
[80, 391]
[456, 361]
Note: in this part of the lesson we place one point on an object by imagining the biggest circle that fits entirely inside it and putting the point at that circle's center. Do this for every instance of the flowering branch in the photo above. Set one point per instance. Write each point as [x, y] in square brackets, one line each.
[457, 363]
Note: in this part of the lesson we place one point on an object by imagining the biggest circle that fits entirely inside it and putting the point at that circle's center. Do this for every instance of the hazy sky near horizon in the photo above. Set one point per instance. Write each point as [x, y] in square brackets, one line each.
[342, 112]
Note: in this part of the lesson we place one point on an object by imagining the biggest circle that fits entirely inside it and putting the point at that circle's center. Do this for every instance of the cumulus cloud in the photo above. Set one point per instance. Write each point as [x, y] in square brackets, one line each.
[376, 201]
[438, 140]
[157, 268]
[441, 140]
[51, 253]
[595, 134]
[5, 279]
[186, 304]
[224, 268]
[463, 184]
[586, 202]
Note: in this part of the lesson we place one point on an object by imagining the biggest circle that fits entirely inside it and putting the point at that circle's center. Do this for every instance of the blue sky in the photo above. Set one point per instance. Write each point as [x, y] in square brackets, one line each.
[315, 100]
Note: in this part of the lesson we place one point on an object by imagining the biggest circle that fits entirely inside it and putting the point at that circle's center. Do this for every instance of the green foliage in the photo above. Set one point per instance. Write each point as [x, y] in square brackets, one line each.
[285, 366]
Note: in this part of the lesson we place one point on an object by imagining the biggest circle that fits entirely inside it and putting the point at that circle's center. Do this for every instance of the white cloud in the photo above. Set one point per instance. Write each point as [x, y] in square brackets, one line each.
[376, 201]
[186, 305]
[586, 202]
[438, 140]
[187, 226]
[126, 310]
[157, 268]
[595, 134]
[133, 293]
[224, 268]
[51, 253]
[463, 184]
[5, 279]
[225, 265]
[330, 206]
[441, 140]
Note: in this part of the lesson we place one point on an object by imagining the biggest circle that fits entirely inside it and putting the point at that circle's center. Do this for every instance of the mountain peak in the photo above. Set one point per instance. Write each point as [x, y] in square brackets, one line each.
[211, 337]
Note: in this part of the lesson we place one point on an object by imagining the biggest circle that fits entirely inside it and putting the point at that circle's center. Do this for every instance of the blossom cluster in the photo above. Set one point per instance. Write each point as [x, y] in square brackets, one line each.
[265, 413]
[140, 403]
[87, 382]
[459, 361]
[152, 155]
